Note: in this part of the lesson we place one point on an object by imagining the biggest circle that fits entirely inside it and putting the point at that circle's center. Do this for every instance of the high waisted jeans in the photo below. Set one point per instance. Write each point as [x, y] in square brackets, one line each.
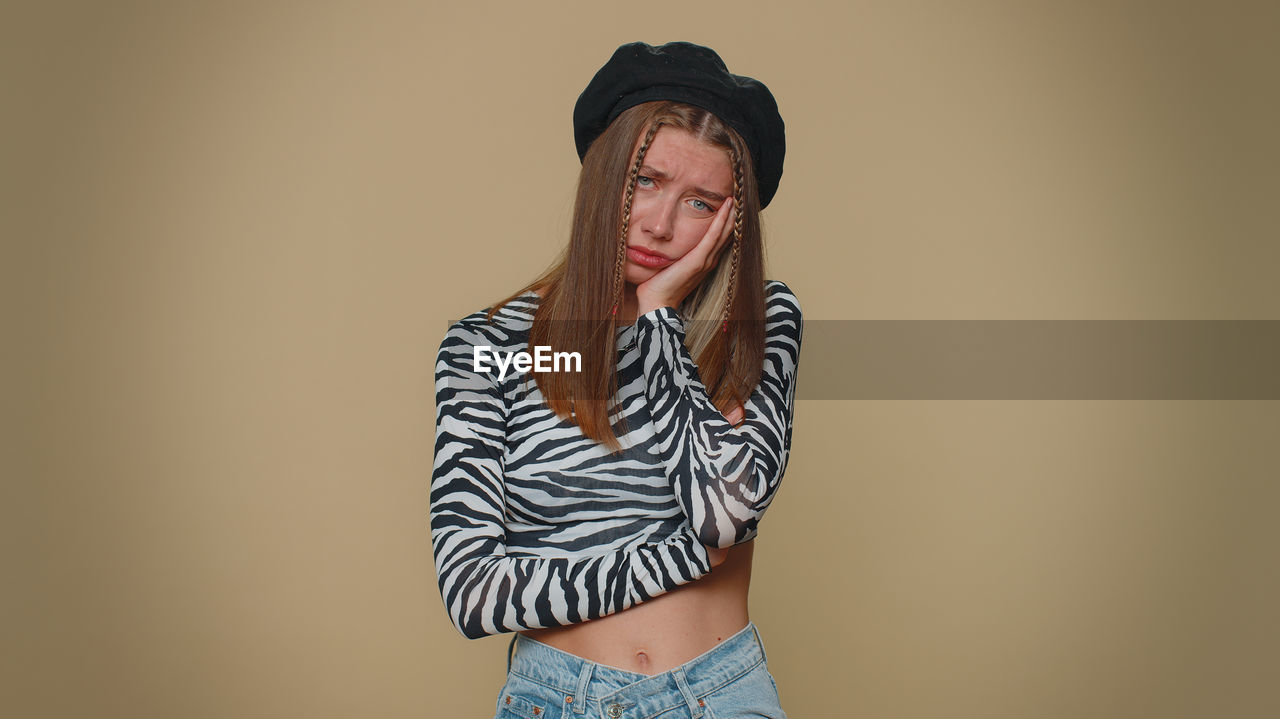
[729, 680]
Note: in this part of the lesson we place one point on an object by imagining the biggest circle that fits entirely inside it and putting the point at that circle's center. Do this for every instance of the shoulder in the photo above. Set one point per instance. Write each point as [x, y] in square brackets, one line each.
[779, 300]
[509, 324]
[508, 329]
[784, 322]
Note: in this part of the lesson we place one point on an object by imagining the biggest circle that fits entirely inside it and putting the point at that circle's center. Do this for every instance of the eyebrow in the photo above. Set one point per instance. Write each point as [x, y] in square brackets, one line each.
[655, 173]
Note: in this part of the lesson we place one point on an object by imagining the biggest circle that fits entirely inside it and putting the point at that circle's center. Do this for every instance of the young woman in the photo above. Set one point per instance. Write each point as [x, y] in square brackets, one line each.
[606, 512]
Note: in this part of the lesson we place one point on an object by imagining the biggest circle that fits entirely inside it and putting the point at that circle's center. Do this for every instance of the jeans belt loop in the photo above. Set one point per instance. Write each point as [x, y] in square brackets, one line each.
[761, 643]
[695, 708]
[580, 693]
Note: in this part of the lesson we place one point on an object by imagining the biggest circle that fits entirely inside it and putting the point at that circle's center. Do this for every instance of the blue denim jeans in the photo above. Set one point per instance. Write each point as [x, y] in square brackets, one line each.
[729, 680]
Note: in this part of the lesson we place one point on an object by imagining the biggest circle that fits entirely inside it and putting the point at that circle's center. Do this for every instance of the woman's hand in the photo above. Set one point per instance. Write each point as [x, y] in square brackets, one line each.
[736, 415]
[673, 283]
[716, 555]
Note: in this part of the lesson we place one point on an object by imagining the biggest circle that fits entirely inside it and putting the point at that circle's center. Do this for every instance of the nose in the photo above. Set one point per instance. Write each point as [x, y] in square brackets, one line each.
[658, 217]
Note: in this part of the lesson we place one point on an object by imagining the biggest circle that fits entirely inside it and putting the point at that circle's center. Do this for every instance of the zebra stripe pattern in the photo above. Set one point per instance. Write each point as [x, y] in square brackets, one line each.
[535, 525]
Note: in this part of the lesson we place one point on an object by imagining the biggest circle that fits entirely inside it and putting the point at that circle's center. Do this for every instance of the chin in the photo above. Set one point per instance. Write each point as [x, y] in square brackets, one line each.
[634, 275]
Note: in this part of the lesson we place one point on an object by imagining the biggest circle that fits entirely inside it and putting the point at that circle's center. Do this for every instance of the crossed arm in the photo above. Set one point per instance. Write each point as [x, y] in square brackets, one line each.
[724, 476]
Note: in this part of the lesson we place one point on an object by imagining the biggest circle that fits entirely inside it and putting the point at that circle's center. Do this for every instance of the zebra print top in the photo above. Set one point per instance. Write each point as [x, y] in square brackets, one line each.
[534, 525]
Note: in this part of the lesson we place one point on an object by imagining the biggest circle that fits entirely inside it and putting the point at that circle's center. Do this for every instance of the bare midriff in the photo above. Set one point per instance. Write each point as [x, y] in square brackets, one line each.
[661, 634]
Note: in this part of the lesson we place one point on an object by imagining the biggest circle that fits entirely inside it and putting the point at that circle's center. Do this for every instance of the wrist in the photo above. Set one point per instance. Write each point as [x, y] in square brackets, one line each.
[644, 307]
[664, 315]
[647, 304]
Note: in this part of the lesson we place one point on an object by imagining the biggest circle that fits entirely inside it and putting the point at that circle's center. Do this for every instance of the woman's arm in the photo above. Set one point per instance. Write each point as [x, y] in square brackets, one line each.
[724, 476]
[484, 590]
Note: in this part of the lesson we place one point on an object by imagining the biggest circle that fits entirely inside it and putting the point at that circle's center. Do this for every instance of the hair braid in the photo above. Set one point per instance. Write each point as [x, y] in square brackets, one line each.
[626, 215]
[736, 239]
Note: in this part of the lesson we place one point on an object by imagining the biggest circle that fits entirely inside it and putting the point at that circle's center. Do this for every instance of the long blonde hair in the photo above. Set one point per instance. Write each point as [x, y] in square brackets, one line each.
[724, 315]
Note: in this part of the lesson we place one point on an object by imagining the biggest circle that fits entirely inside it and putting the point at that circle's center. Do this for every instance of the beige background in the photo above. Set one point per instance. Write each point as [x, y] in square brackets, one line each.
[234, 234]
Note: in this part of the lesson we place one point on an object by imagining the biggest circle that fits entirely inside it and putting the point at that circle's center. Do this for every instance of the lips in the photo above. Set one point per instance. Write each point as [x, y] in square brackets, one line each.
[647, 258]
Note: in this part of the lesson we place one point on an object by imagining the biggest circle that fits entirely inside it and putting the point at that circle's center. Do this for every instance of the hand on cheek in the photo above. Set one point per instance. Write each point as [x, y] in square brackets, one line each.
[673, 283]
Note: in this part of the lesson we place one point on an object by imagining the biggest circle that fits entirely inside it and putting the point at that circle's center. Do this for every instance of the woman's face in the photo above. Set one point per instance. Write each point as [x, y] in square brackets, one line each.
[681, 185]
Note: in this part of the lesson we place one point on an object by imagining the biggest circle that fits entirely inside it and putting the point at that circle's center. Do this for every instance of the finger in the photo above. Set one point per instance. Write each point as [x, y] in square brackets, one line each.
[726, 231]
[718, 231]
[716, 555]
[736, 415]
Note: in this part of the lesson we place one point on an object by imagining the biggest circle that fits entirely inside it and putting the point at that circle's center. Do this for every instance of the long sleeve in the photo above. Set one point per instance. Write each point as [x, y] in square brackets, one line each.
[484, 590]
[724, 477]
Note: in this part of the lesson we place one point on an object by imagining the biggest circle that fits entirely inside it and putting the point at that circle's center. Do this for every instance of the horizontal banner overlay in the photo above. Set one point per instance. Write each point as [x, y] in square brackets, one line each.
[1040, 359]
[1031, 359]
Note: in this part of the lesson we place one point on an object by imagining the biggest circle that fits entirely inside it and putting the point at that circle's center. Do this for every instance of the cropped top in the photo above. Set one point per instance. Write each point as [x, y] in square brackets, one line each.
[533, 524]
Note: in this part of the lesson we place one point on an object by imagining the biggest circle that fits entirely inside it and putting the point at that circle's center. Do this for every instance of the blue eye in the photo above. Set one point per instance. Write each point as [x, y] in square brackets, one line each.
[705, 207]
[644, 181]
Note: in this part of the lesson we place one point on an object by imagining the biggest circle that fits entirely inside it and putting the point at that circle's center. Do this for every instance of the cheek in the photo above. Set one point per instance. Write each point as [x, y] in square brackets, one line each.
[687, 236]
[641, 204]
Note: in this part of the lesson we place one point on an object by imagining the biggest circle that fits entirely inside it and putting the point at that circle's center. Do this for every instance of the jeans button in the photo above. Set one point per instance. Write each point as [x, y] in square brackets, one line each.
[615, 710]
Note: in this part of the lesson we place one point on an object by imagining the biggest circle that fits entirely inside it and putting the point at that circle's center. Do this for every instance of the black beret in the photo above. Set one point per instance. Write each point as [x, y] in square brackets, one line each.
[692, 74]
